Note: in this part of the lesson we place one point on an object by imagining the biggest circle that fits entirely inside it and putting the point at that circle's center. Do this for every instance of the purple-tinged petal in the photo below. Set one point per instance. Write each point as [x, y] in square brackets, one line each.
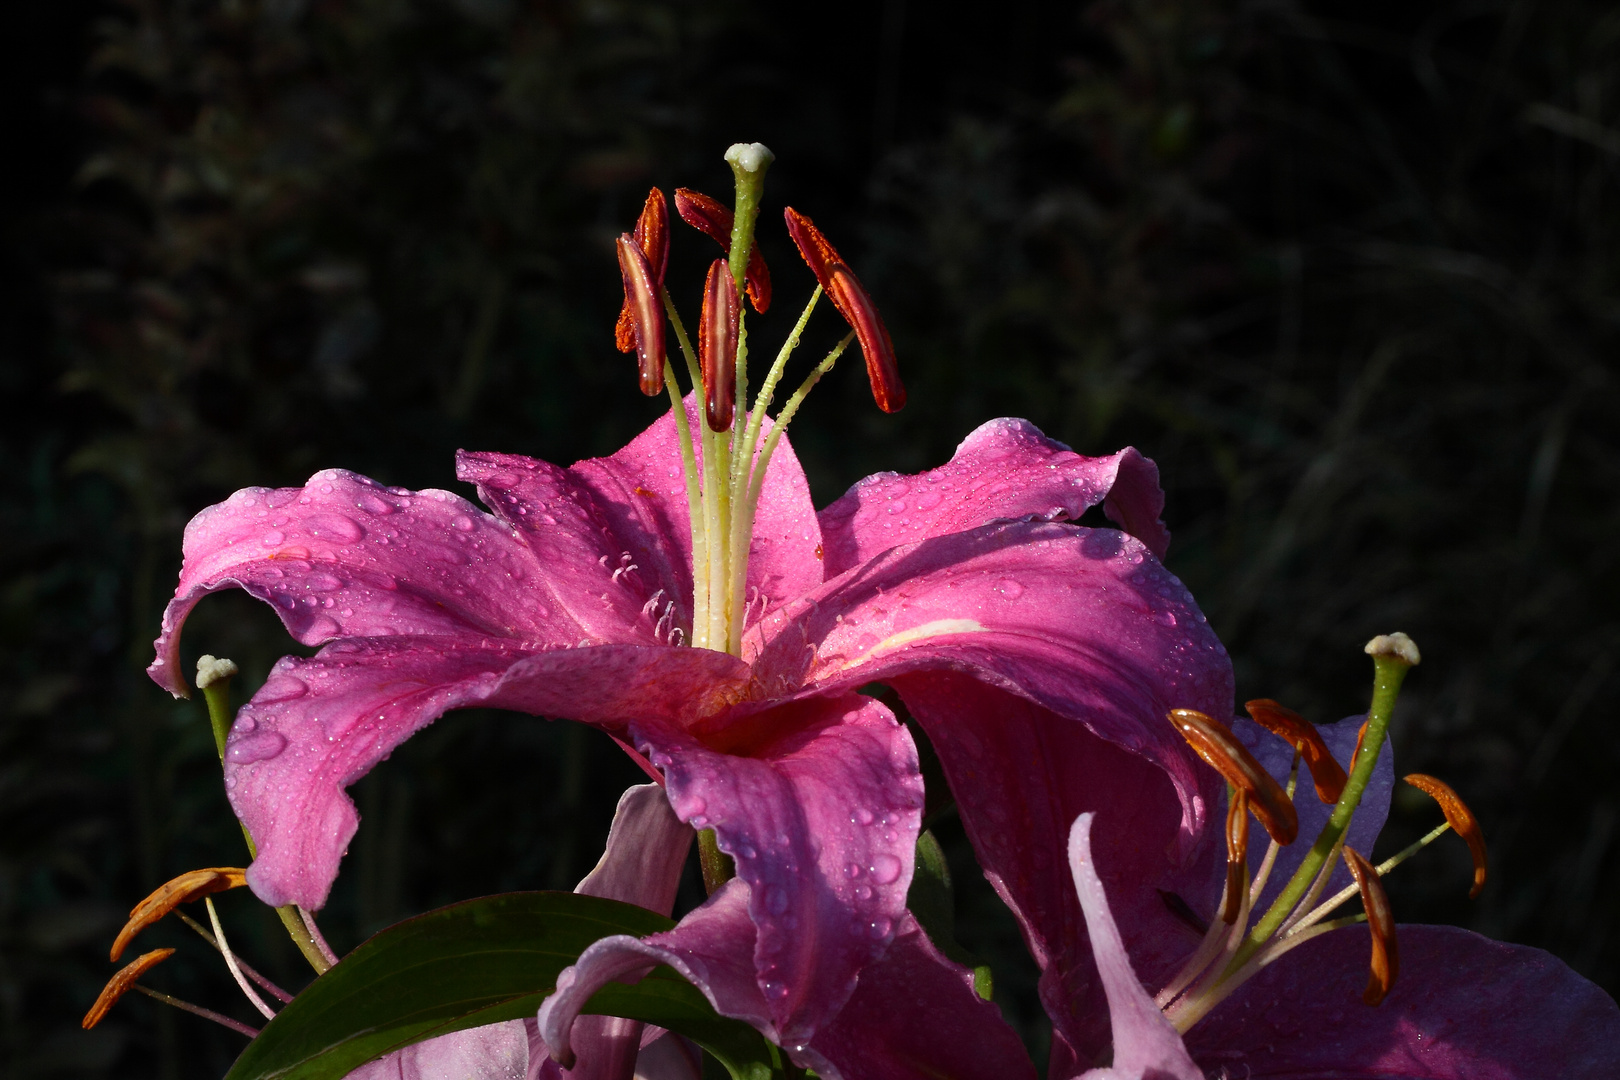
[668, 1056]
[1145, 1044]
[344, 556]
[1464, 1008]
[1277, 756]
[318, 725]
[915, 1014]
[819, 802]
[1085, 622]
[1021, 775]
[1005, 470]
[491, 1052]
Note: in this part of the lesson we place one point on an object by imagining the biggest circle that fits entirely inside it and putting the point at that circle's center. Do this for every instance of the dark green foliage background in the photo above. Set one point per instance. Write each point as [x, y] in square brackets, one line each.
[1348, 272]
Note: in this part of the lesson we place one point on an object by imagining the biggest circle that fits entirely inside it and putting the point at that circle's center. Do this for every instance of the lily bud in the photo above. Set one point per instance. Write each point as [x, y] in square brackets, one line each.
[855, 304]
[647, 321]
[711, 218]
[717, 347]
[652, 236]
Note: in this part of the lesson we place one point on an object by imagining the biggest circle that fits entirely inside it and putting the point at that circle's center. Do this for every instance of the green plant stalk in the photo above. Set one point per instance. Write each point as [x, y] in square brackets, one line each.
[717, 865]
[218, 696]
[1388, 674]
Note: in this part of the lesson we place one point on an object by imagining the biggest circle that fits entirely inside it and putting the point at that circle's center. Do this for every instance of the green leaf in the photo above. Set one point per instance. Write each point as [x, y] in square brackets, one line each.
[479, 962]
[932, 900]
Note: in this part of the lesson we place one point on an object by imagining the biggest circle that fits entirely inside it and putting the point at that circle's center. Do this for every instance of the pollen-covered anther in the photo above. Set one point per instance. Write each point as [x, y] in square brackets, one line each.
[1460, 818]
[1326, 773]
[712, 219]
[192, 885]
[120, 984]
[1217, 745]
[1237, 856]
[1386, 956]
[652, 236]
[717, 347]
[646, 318]
[855, 304]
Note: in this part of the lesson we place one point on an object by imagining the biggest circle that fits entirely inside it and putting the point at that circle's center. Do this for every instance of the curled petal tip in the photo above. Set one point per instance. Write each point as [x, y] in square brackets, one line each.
[1326, 773]
[855, 304]
[1462, 822]
[717, 347]
[1396, 646]
[1386, 957]
[120, 984]
[1222, 751]
[647, 321]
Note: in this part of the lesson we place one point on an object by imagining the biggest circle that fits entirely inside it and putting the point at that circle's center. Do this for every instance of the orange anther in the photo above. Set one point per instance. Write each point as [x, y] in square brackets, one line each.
[855, 304]
[652, 236]
[1220, 748]
[717, 347]
[1326, 773]
[119, 984]
[709, 217]
[1361, 737]
[1237, 855]
[192, 885]
[646, 316]
[1460, 818]
[1386, 956]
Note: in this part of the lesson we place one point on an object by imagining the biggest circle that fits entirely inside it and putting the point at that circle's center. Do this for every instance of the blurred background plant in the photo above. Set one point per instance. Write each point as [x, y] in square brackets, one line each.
[1348, 272]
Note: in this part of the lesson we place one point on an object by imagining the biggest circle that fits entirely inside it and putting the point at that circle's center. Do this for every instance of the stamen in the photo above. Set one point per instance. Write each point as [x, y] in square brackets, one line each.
[258, 979]
[192, 885]
[717, 347]
[652, 236]
[198, 1010]
[855, 304]
[1220, 748]
[712, 219]
[1361, 737]
[1386, 957]
[120, 984]
[1237, 855]
[230, 962]
[1285, 723]
[1460, 818]
[641, 294]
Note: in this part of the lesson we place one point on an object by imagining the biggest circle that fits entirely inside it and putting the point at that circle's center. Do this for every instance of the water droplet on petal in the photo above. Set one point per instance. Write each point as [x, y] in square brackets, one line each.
[864, 816]
[462, 522]
[334, 527]
[879, 928]
[322, 627]
[885, 868]
[272, 538]
[776, 900]
[260, 746]
[280, 688]
[1009, 588]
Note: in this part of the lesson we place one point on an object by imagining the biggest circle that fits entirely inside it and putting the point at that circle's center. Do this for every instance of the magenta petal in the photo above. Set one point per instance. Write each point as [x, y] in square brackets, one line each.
[1277, 756]
[1021, 775]
[1005, 470]
[492, 1052]
[1146, 1046]
[1464, 1008]
[645, 853]
[344, 556]
[821, 817]
[915, 1014]
[318, 725]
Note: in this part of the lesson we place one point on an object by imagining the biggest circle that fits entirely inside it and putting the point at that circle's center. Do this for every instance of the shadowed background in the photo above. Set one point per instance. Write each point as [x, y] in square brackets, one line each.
[1350, 273]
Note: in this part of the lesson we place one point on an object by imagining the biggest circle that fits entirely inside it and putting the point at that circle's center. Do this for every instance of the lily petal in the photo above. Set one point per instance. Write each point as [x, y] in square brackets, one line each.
[1276, 756]
[318, 725]
[1005, 470]
[345, 556]
[1146, 1045]
[1465, 1008]
[491, 1052]
[819, 802]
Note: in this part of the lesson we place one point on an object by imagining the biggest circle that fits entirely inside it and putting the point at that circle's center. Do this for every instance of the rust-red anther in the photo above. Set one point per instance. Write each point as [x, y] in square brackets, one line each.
[717, 347]
[652, 236]
[1220, 748]
[1386, 955]
[1326, 773]
[192, 885]
[855, 304]
[1361, 737]
[1237, 855]
[119, 984]
[1460, 818]
[711, 218]
[647, 319]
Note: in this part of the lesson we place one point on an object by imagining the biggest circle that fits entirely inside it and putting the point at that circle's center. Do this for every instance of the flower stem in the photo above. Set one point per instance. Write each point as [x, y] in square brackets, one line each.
[717, 865]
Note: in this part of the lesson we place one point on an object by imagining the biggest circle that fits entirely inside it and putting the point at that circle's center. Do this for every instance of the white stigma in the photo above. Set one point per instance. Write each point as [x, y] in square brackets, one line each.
[1396, 646]
[211, 670]
[749, 157]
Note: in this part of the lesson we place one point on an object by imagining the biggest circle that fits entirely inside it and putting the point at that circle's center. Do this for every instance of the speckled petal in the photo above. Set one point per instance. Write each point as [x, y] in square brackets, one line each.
[492, 1052]
[1006, 470]
[819, 802]
[344, 556]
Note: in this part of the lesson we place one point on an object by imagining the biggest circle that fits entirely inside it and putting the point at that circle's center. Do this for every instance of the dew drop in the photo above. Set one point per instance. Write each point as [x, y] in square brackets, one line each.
[462, 522]
[374, 505]
[272, 538]
[885, 868]
[1009, 588]
[853, 870]
[260, 746]
[929, 499]
[1165, 618]
[322, 627]
[864, 816]
[280, 688]
[879, 928]
[335, 527]
[776, 900]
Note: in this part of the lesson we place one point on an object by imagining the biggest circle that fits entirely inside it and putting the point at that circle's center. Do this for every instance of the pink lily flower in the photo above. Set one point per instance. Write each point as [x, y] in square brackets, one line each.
[1024, 644]
[1463, 1008]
